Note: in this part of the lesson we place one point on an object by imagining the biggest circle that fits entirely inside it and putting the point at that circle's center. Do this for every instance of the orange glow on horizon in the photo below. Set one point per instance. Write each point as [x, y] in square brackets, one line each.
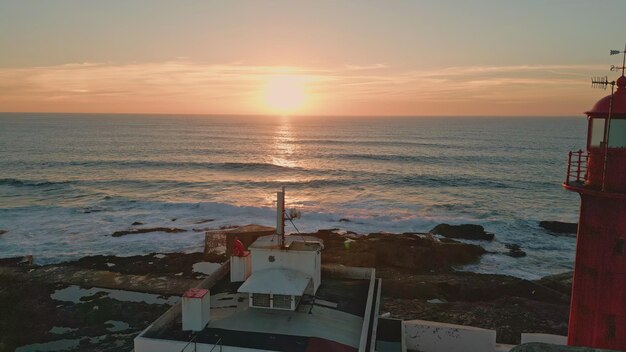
[285, 93]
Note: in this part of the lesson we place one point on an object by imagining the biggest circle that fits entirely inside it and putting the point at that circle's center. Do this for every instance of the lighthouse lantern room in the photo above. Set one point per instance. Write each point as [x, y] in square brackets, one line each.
[598, 308]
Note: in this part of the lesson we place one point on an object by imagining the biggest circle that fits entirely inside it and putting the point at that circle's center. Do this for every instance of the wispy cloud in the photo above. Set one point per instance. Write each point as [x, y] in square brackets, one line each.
[182, 85]
[365, 67]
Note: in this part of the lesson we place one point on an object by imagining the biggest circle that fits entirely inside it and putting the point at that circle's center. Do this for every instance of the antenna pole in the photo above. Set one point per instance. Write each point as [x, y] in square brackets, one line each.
[624, 59]
[280, 216]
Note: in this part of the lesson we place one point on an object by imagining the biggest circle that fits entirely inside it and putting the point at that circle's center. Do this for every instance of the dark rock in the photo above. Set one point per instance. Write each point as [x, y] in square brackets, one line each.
[559, 282]
[26, 260]
[465, 231]
[515, 250]
[344, 220]
[136, 223]
[203, 221]
[174, 219]
[2, 232]
[152, 229]
[416, 253]
[560, 227]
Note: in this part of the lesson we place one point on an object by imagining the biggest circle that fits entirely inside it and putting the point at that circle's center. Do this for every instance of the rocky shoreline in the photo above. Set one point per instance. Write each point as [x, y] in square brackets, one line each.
[419, 282]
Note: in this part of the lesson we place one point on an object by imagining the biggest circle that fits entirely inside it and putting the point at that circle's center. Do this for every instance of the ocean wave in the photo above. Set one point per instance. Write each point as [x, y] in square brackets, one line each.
[31, 183]
[443, 181]
[235, 166]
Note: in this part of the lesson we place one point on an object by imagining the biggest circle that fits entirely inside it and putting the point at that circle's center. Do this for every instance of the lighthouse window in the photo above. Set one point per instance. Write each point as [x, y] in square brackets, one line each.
[618, 249]
[617, 134]
[597, 132]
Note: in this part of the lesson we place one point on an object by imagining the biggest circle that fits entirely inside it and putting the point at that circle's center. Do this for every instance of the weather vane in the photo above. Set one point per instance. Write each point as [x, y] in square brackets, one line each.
[617, 68]
[603, 82]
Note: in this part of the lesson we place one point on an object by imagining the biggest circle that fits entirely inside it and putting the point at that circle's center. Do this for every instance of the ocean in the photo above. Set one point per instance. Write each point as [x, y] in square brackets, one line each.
[68, 181]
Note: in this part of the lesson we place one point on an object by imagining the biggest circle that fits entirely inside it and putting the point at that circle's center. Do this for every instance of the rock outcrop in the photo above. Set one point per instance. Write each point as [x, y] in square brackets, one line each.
[560, 227]
[415, 252]
[465, 231]
[146, 230]
[515, 250]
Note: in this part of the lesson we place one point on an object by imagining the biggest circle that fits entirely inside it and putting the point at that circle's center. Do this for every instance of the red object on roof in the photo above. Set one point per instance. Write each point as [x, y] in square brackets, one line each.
[619, 102]
[238, 249]
[196, 293]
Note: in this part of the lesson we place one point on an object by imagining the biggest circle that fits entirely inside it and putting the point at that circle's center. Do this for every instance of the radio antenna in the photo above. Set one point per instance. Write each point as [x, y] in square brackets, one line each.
[601, 82]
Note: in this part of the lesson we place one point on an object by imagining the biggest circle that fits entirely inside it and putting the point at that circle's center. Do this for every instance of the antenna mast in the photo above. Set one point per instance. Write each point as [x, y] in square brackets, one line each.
[603, 82]
[280, 216]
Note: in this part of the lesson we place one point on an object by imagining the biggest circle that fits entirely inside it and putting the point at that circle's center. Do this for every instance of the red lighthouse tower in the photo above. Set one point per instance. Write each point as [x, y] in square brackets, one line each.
[598, 308]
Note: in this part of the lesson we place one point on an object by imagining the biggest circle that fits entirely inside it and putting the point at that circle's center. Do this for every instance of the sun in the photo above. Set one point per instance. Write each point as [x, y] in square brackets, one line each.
[285, 93]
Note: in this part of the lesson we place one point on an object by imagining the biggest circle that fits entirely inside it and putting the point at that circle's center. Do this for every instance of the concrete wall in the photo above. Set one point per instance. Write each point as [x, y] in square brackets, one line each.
[430, 336]
[348, 272]
[545, 338]
[168, 318]
[369, 306]
[307, 262]
[153, 345]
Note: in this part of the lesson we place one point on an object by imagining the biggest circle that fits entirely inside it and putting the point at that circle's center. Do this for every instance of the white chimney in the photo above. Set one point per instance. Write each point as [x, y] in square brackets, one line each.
[196, 309]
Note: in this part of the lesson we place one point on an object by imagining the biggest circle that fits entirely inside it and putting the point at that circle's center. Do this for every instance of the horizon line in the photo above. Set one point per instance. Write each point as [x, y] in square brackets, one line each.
[279, 115]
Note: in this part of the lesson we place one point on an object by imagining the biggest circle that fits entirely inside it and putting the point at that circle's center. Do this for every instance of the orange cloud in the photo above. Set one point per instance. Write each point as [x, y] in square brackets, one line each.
[184, 86]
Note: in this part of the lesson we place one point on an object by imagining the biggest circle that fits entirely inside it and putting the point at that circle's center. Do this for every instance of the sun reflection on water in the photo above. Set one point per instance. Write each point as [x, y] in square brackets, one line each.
[284, 149]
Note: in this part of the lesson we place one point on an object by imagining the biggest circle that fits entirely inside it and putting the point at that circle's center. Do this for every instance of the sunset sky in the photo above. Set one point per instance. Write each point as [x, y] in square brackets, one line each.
[480, 57]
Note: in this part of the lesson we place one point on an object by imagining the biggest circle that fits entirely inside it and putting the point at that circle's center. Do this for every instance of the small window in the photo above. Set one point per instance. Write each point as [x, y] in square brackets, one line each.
[610, 327]
[617, 133]
[618, 249]
[596, 132]
[282, 301]
[261, 300]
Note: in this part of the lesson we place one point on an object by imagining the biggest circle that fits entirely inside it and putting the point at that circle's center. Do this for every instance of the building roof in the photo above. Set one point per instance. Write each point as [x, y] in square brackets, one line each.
[333, 324]
[293, 242]
[278, 281]
[601, 108]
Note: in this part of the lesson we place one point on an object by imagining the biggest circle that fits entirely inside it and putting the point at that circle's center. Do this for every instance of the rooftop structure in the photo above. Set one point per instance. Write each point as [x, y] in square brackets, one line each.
[275, 300]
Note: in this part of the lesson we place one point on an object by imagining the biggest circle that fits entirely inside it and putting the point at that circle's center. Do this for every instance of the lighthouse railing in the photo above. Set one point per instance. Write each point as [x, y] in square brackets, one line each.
[576, 167]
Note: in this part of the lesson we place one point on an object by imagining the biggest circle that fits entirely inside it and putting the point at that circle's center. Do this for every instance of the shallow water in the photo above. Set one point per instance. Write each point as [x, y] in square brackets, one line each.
[77, 294]
[69, 181]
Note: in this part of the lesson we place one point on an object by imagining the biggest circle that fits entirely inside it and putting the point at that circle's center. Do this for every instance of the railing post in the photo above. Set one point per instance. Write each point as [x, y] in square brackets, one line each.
[580, 153]
[569, 167]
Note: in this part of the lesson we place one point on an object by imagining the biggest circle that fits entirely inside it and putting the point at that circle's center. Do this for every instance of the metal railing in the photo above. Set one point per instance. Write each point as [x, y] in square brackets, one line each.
[192, 341]
[576, 167]
[218, 343]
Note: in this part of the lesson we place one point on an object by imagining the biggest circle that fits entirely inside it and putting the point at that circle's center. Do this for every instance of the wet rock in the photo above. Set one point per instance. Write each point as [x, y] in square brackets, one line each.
[560, 227]
[174, 219]
[170, 263]
[146, 230]
[136, 223]
[2, 232]
[25, 260]
[515, 250]
[203, 221]
[344, 220]
[465, 231]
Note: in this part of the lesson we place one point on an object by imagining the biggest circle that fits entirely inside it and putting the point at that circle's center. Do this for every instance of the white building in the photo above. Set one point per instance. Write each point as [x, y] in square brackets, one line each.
[284, 304]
